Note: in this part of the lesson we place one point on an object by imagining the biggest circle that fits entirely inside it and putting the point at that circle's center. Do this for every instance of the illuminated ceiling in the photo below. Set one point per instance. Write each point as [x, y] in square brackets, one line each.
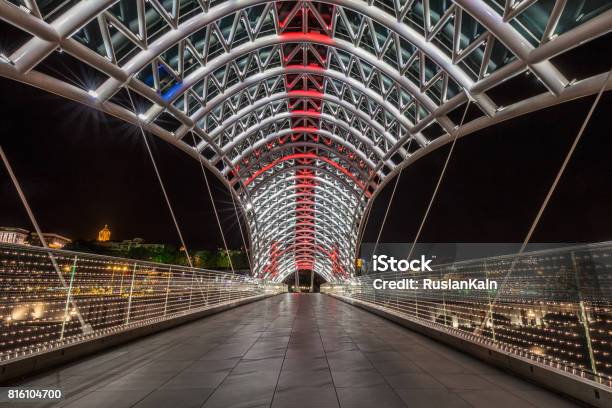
[305, 109]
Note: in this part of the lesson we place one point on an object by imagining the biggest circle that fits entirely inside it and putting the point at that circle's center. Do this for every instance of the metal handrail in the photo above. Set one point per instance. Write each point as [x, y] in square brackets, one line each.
[39, 311]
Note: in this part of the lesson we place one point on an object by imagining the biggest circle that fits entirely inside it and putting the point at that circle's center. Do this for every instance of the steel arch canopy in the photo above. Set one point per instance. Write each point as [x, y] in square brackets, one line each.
[304, 109]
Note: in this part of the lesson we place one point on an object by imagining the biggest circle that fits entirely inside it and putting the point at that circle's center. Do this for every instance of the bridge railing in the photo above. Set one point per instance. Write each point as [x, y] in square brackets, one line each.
[51, 298]
[553, 307]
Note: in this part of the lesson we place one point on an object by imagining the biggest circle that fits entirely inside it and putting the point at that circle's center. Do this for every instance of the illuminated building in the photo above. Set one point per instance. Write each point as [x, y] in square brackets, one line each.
[128, 244]
[104, 234]
[55, 241]
[11, 235]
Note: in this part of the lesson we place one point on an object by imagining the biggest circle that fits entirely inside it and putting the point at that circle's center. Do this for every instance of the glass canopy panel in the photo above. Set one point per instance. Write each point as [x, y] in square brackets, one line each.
[127, 13]
[51, 9]
[579, 12]
[91, 37]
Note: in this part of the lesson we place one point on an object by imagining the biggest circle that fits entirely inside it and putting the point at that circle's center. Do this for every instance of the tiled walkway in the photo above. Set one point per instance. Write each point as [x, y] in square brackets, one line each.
[290, 351]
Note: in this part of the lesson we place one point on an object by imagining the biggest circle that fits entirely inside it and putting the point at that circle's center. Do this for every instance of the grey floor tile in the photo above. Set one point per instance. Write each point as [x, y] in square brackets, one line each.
[420, 398]
[357, 379]
[261, 353]
[465, 382]
[305, 397]
[252, 380]
[164, 366]
[213, 355]
[346, 355]
[440, 365]
[103, 368]
[211, 366]
[397, 367]
[348, 360]
[299, 364]
[372, 347]
[386, 355]
[493, 398]
[110, 398]
[283, 331]
[413, 380]
[305, 353]
[305, 378]
[368, 397]
[344, 346]
[510, 382]
[545, 399]
[349, 365]
[141, 381]
[183, 398]
[184, 353]
[258, 365]
[194, 380]
[237, 396]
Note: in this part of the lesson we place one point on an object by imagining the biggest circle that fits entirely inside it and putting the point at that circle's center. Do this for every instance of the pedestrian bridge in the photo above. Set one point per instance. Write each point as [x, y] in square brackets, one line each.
[306, 110]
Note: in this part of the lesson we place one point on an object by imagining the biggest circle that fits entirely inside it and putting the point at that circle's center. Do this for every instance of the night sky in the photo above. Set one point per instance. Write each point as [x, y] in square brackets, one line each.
[82, 169]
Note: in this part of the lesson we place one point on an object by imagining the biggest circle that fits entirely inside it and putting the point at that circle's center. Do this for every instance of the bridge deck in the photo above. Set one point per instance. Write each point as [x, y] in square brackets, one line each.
[290, 351]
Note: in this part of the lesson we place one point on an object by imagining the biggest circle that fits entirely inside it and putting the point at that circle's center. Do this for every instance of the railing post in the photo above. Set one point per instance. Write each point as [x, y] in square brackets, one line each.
[444, 301]
[397, 306]
[416, 301]
[121, 284]
[129, 308]
[191, 289]
[68, 295]
[208, 280]
[584, 318]
[224, 295]
[167, 290]
[199, 282]
[492, 316]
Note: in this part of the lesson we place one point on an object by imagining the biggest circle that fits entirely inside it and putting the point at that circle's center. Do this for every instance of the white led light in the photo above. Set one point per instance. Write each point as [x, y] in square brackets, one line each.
[5, 59]
[142, 116]
[92, 93]
[249, 206]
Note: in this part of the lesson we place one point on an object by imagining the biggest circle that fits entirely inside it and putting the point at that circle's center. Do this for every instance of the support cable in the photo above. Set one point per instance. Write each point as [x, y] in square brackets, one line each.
[551, 191]
[441, 177]
[366, 219]
[84, 326]
[553, 187]
[241, 232]
[382, 226]
[213, 203]
[159, 179]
